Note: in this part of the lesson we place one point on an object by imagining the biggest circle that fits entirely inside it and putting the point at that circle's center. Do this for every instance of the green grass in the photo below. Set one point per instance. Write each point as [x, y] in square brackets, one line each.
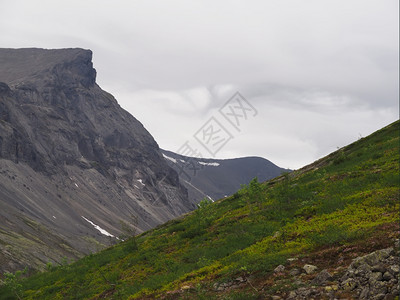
[338, 200]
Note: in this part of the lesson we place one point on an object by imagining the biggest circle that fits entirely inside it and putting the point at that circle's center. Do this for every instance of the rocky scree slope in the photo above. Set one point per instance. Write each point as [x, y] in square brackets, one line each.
[74, 165]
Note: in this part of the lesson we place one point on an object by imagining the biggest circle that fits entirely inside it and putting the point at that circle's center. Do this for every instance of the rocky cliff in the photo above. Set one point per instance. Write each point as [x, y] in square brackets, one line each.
[75, 167]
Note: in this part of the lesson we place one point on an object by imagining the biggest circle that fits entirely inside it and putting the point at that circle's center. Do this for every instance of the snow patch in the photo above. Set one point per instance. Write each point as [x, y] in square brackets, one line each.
[213, 164]
[76, 185]
[210, 198]
[102, 231]
[141, 182]
[170, 158]
[54, 217]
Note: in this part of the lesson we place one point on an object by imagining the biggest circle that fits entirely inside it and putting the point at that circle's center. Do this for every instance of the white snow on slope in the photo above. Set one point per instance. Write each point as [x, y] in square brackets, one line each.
[102, 231]
[214, 164]
[141, 181]
[170, 158]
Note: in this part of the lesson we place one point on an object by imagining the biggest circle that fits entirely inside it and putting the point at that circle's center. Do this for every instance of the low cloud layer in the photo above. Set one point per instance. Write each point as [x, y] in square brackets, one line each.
[320, 73]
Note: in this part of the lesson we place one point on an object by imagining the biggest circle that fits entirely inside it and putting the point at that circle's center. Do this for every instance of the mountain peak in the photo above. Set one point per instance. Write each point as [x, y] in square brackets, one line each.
[72, 160]
[49, 66]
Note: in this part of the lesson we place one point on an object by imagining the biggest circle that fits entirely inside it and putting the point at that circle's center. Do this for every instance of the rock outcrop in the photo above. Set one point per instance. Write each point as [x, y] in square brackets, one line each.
[373, 276]
[72, 159]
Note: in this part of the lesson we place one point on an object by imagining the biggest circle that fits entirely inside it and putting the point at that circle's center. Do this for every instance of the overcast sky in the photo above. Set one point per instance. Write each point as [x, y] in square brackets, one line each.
[318, 74]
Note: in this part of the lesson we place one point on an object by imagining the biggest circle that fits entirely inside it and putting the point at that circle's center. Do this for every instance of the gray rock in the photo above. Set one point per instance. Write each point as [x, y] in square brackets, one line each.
[364, 293]
[240, 279]
[310, 269]
[349, 284]
[226, 284]
[279, 269]
[362, 270]
[350, 273]
[321, 278]
[295, 272]
[374, 277]
[387, 276]
[378, 268]
[373, 258]
[394, 269]
[291, 295]
[385, 253]
[397, 245]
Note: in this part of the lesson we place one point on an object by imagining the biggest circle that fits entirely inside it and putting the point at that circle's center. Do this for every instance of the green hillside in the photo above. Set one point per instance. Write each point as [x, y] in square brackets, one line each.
[347, 200]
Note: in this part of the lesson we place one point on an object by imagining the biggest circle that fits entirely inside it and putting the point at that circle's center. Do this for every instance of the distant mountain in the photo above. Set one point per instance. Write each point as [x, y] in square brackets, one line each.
[219, 178]
[73, 164]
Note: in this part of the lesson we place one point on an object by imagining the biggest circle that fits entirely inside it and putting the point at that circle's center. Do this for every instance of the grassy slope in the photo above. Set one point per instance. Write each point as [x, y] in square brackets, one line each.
[341, 200]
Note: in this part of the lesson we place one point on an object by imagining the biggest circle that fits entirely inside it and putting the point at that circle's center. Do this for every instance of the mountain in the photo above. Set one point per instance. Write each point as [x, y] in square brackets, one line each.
[327, 231]
[219, 178]
[76, 170]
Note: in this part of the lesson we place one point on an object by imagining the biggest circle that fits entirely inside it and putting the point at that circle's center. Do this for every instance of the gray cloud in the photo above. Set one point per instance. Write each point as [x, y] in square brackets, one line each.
[320, 73]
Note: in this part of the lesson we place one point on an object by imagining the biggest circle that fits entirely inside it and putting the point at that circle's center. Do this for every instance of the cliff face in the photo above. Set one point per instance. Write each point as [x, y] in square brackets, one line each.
[68, 151]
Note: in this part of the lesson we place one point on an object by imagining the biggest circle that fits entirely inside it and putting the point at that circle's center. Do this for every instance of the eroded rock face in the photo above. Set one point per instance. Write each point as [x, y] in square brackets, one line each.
[68, 150]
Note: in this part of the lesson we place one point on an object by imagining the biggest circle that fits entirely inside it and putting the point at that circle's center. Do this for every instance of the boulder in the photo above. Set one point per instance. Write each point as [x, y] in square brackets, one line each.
[310, 269]
[378, 268]
[279, 269]
[295, 272]
[321, 278]
[387, 276]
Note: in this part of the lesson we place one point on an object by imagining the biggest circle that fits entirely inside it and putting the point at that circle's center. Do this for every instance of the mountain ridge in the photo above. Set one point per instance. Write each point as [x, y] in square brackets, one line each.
[219, 178]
